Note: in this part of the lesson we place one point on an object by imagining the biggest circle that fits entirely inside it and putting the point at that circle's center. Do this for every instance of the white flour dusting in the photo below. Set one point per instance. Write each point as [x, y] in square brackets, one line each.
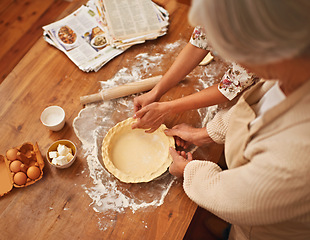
[109, 195]
[172, 46]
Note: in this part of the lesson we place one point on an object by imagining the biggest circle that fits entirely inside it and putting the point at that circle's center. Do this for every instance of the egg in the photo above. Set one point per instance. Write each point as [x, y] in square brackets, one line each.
[15, 166]
[20, 178]
[33, 172]
[11, 154]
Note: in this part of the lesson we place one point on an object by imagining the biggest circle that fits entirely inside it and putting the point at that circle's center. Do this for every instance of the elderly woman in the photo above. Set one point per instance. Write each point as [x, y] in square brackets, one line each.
[265, 193]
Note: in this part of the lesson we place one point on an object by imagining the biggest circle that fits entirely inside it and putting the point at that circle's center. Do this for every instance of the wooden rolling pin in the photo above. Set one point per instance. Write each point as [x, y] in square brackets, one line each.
[121, 91]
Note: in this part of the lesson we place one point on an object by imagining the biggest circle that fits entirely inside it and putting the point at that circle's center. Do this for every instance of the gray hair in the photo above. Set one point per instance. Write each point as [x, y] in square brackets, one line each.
[255, 31]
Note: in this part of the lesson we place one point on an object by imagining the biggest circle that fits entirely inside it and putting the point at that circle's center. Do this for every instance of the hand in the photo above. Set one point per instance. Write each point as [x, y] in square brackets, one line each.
[151, 116]
[191, 135]
[180, 160]
[143, 100]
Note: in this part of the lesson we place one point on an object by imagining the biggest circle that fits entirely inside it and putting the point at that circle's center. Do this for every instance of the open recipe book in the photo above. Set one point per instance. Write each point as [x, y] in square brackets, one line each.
[102, 29]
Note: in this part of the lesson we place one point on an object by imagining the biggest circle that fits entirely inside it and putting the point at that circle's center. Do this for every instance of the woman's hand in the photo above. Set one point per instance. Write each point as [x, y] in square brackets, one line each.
[143, 100]
[180, 160]
[187, 135]
[151, 116]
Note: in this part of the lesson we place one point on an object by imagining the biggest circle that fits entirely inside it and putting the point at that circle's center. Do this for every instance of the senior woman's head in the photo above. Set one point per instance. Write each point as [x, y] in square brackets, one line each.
[255, 32]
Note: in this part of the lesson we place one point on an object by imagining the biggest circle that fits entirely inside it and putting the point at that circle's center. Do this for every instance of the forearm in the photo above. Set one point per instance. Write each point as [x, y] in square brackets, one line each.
[221, 192]
[205, 98]
[252, 194]
[186, 61]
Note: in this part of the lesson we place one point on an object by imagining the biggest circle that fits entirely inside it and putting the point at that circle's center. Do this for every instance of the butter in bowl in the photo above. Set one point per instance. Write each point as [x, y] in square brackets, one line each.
[61, 154]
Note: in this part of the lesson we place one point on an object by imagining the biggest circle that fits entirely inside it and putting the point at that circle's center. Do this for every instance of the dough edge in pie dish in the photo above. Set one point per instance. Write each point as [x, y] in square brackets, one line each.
[148, 174]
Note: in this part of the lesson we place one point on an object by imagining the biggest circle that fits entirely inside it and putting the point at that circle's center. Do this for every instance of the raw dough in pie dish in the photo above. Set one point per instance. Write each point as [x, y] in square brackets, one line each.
[134, 156]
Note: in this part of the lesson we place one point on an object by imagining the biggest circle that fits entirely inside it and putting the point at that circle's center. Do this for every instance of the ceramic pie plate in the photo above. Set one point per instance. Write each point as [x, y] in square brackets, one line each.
[134, 156]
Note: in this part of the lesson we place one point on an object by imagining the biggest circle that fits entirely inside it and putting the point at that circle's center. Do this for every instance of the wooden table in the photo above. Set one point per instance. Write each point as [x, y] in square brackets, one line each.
[57, 207]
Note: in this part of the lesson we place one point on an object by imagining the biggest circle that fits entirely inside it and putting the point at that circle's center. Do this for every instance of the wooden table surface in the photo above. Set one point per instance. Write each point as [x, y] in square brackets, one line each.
[57, 207]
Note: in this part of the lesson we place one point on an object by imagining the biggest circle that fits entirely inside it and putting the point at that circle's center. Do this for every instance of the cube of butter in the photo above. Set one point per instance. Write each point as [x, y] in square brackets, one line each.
[69, 157]
[60, 160]
[63, 150]
[53, 154]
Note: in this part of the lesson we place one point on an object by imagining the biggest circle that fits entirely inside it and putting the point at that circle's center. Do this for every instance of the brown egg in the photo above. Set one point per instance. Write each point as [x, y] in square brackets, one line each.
[11, 154]
[33, 172]
[15, 166]
[20, 178]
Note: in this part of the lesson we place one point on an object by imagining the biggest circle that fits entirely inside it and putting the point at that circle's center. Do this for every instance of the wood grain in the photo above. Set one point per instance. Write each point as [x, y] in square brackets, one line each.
[21, 26]
[56, 207]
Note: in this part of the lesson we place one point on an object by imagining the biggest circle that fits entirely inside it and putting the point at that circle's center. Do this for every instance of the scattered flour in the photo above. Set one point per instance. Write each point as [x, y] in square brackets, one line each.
[110, 196]
[172, 46]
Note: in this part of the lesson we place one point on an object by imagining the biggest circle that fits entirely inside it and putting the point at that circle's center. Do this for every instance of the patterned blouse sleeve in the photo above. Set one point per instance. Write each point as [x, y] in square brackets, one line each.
[235, 80]
[199, 39]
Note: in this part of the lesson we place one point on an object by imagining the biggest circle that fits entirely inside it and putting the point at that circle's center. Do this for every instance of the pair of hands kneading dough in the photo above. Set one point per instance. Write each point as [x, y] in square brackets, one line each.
[134, 156]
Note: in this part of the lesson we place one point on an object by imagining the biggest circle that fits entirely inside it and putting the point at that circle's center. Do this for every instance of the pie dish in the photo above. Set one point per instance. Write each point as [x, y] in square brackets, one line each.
[134, 156]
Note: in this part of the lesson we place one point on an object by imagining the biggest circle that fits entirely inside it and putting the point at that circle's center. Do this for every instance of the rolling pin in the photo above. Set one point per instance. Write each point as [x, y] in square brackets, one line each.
[121, 91]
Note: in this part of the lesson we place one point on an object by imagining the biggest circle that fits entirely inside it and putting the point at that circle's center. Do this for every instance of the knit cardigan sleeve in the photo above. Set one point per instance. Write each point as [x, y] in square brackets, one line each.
[217, 127]
[274, 186]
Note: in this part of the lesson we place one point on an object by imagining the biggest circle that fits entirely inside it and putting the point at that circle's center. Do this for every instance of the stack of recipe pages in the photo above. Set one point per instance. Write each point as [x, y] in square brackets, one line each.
[102, 29]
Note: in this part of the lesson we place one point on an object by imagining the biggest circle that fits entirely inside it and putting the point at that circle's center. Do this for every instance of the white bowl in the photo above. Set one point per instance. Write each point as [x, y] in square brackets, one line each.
[53, 147]
[53, 117]
[62, 42]
[92, 42]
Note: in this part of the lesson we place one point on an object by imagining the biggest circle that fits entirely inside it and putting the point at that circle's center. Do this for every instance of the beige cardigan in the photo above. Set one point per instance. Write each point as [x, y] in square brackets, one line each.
[265, 193]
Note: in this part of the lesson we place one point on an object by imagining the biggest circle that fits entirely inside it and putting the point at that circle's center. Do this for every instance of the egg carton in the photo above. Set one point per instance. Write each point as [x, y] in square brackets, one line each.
[31, 160]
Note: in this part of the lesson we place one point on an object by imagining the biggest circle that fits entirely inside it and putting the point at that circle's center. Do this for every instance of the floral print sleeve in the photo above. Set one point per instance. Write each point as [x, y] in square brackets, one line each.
[235, 80]
[198, 38]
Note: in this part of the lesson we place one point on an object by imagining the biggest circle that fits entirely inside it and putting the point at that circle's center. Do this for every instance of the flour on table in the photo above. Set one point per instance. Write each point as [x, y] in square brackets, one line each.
[110, 196]
[172, 46]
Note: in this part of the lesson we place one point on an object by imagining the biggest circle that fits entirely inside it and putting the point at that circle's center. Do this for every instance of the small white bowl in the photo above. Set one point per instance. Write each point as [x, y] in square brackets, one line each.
[92, 42]
[53, 117]
[53, 147]
[62, 42]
